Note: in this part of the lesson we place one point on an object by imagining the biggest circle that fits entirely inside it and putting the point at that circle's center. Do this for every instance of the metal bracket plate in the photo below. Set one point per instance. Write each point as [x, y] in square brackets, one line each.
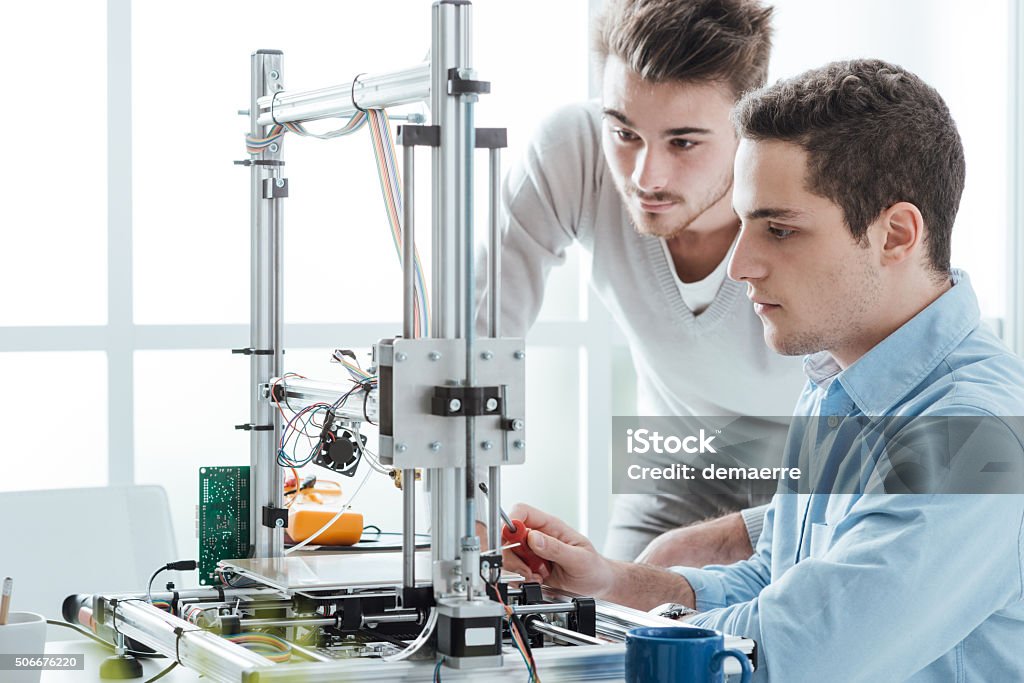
[421, 439]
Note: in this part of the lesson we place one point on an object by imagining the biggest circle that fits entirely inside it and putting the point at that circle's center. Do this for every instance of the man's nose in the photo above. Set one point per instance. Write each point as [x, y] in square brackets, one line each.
[747, 262]
[652, 170]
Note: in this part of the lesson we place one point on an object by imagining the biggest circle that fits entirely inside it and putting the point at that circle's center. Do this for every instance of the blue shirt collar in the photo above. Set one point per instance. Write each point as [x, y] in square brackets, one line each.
[882, 377]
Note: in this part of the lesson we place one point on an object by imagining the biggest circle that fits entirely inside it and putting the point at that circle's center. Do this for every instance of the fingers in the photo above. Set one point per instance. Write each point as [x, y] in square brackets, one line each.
[548, 524]
[512, 563]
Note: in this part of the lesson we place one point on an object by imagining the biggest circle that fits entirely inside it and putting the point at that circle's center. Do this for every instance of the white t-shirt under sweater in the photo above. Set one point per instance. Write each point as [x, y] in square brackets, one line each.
[712, 364]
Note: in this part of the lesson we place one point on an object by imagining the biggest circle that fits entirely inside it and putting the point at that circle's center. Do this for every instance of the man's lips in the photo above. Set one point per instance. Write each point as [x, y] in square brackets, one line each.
[763, 305]
[655, 207]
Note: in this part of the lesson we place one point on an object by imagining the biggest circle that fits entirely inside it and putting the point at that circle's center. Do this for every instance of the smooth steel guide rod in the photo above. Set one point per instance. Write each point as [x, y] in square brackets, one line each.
[494, 326]
[391, 89]
[408, 331]
[265, 314]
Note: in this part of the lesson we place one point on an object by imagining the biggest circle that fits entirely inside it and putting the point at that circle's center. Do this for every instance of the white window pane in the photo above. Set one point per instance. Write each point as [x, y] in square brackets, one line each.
[186, 406]
[53, 248]
[191, 220]
[56, 414]
[962, 52]
[552, 477]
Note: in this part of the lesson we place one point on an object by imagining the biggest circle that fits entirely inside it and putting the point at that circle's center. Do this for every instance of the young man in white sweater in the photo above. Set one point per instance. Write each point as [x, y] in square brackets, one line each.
[642, 180]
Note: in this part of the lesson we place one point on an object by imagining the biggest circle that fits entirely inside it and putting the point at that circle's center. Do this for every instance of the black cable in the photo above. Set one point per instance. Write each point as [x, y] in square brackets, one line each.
[180, 565]
[373, 526]
[93, 636]
[366, 397]
[352, 93]
[525, 637]
[162, 673]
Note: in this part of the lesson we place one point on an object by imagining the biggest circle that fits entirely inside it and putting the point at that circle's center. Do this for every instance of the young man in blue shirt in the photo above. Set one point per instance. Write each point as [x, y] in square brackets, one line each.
[847, 183]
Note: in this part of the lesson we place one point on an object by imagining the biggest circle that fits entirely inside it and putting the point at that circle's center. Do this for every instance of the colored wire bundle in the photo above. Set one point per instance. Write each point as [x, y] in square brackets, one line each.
[271, 647]
[390, 186]
[519, 637]
[255, 145]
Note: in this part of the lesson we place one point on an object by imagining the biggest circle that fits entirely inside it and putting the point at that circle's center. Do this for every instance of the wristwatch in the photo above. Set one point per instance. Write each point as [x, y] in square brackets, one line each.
[673, 610]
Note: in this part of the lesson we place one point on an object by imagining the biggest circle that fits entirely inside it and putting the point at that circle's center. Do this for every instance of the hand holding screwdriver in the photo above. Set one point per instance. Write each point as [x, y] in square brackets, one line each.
[515, 531]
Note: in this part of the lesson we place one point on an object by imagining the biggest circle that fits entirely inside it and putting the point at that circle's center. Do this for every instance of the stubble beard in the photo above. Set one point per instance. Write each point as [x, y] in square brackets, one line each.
[643, 223]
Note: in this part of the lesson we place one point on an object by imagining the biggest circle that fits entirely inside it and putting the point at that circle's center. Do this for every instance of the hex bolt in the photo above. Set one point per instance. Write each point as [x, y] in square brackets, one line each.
[435, 446]
[518, 424]
[487, 445]
[399, 357]
[279, 182]
[274, 147]
[458, 586]
[279, 522]
[491, 405]
[434, 355]
[519, 355]
[454, 405]
[519, 444]
[274, 75]
[401, 447]
[485, 566]
[487, 355]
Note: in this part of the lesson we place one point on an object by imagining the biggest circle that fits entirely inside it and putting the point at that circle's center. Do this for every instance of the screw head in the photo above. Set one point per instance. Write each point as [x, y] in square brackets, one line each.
[518, 424]
[274, 147]
[485, 565]
[274, 75]
[435, 446]
[401, 447]
[491, 405]
[519, 444]
[487, 355]
[279, 522]
[458, 586]
[434, 355]
[519, 355]
[454, 405]
[399, 357]
[487, 445]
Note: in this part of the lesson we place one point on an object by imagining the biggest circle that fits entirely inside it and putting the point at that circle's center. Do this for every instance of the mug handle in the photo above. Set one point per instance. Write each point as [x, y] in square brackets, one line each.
[742, 658]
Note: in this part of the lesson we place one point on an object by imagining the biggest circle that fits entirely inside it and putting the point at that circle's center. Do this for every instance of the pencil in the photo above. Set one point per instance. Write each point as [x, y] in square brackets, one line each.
[5, 603]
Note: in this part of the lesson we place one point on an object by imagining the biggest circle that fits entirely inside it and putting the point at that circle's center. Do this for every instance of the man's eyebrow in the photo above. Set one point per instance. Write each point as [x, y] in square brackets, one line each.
[671, 132]
[778, 214]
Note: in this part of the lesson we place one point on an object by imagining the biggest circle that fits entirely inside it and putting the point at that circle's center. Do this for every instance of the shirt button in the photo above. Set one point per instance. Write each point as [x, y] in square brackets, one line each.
[833, 421]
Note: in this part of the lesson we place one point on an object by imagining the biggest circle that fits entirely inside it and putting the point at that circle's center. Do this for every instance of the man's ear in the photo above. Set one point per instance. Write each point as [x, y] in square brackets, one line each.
[902, 228]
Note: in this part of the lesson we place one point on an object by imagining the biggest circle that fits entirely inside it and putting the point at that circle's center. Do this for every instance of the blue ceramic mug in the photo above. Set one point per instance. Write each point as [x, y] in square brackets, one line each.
[679, 653]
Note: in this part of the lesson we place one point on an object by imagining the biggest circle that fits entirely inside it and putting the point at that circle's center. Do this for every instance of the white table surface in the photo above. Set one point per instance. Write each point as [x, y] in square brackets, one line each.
[94, 656]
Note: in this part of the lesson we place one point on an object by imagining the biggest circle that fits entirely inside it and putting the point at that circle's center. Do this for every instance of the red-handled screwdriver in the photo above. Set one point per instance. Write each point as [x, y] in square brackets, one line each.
[515, 531]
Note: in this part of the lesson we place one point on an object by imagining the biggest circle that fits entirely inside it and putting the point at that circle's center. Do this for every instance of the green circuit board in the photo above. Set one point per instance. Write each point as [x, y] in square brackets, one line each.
[223, 518]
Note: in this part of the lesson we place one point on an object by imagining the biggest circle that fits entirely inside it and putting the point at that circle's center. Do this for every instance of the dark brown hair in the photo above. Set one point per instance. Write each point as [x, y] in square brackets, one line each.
[875, 135]
[688, 40]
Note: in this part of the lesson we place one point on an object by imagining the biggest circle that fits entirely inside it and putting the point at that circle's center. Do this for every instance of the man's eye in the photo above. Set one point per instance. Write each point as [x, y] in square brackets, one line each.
[779, 233]
[683, 143]
[624, 134]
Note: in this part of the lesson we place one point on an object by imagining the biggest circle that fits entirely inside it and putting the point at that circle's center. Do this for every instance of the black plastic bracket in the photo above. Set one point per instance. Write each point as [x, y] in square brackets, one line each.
[249, 427]
[253, 352]
[584, 619]
[532, 594]
[419, 136]
[463, 401]
[272, 189]
[419, 597]
[275, 517]
[258, 162]
[491, 138]
[457, 85]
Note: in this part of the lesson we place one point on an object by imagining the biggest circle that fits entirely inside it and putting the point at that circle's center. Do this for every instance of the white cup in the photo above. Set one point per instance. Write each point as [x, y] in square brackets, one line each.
[24, 634]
